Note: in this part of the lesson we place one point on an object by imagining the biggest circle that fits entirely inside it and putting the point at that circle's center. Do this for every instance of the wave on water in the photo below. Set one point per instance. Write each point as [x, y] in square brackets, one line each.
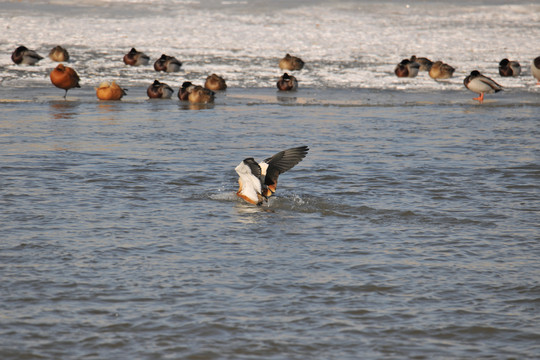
[344, 44]
[310, 204]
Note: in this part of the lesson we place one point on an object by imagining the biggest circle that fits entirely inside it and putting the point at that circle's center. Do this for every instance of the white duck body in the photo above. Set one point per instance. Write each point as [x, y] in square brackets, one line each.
[250, 185]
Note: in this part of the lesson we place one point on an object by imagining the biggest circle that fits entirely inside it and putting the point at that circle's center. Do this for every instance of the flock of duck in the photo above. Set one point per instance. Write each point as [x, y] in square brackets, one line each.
[475, 81]
[257, 181]
[66, 78]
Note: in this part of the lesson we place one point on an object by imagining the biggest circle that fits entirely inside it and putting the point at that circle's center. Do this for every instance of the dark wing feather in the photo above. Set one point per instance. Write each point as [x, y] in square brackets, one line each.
[253, 166]
[281, 162]
[492, 84]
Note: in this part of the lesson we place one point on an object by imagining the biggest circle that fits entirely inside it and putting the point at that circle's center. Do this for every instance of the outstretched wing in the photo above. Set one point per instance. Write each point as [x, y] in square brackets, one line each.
[279, 163]
[253, 166]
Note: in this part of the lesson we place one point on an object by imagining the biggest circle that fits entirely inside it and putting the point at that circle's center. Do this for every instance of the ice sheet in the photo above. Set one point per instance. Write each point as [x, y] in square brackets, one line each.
[344, 44]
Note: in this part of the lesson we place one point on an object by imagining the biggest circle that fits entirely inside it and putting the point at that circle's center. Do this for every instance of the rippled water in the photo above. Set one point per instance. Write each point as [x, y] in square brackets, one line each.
[410, 231]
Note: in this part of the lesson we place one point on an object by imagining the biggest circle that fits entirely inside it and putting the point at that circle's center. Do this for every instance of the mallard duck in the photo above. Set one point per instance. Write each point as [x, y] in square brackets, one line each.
[287, 83]
[24, 56]
[407, 68]
[167, 64]
[509, 68]
[257, 182]
[185, 89]
[480, 84]
[136, 58]
[159, 90]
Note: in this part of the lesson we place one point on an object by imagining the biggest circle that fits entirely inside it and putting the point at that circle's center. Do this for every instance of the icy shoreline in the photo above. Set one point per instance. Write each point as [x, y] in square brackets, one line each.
[345, 45]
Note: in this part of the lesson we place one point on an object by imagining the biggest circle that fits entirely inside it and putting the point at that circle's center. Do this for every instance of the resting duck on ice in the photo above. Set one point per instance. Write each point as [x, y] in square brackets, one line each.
[287, 83]
[509, 68]
[136, 58]
[425, 63]
[258, 181]
[407, 68]
[291, 63]
[440, 70]
[58, 54]
[23, 55]
[480, 84]
[167, 64]
[159, 90]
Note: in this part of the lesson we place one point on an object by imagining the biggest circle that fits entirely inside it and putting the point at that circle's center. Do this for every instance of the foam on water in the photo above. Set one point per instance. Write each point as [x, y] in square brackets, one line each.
[345, 44]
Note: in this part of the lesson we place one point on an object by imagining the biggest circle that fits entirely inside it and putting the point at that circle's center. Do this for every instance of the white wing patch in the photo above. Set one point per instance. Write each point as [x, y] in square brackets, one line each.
[264, 167]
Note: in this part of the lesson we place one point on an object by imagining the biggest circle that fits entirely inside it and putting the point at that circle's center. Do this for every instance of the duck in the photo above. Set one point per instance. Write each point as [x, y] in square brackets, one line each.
[407, 68]
[480, 84]
[509, 68]
[24, 56]
[200, 95]
[64, 77]
[184, 91]
[440, 70]
[136, 58]
[425, 63]
[215, 83]
[167, 64]
[258, 181]
[287, 83]
[59, 54]
[535, 69]
[110, 91]
[159, 90]
[291, 63]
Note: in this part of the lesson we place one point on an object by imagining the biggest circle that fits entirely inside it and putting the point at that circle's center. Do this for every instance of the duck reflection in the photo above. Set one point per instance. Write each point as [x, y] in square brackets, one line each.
[286, 98]
[64, 109]
[108, 107]
[108, 110]
[184, 105]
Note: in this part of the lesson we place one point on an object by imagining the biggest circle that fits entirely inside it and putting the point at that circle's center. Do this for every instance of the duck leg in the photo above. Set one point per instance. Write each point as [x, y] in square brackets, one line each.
[480, 98]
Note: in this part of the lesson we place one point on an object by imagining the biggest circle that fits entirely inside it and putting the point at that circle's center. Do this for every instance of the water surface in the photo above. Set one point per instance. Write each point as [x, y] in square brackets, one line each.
[410, 230]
